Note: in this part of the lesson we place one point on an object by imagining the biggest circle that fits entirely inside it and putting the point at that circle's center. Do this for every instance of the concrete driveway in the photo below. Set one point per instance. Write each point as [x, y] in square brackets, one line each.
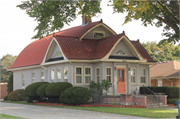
[43, 112]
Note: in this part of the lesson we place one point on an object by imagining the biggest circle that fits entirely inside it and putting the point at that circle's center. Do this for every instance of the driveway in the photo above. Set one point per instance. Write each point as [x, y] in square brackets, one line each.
[43, 112]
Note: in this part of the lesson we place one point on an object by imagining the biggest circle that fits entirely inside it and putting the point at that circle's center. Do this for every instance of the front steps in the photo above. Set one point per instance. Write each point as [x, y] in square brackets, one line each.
[153, 102]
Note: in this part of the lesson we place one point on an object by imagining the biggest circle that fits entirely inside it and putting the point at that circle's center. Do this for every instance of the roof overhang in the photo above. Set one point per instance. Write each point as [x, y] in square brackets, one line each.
[26, 67]
[165, 77]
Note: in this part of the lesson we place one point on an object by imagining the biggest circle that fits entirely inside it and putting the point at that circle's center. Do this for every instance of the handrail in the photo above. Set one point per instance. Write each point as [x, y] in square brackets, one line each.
[152, 93]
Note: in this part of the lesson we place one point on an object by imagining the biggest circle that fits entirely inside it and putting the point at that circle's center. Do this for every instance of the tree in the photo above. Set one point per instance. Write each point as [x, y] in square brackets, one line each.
[52, 15]
[10, 84]
[162, 52]
[158, 13]
[6, 62]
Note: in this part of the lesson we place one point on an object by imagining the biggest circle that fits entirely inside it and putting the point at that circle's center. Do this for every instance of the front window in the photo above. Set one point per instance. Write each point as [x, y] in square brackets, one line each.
[42, 76]
[33, 77]
[87, 75]
[79, 75]
[97, 74]
[23, 80]
[143, 76]
[59, 75]
[65, 74]
[52, 75]
[133, 76]
[108, 74]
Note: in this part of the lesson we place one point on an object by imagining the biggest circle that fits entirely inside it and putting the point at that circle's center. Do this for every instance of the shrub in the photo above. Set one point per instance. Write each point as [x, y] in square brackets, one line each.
[29, 100]
[41, 90]
[173, 92]
[16, 95]
[10, 84]
[31, 89]
[55, 89]
[172, 101]
[144, 90]
[6, 97]
[75, 95]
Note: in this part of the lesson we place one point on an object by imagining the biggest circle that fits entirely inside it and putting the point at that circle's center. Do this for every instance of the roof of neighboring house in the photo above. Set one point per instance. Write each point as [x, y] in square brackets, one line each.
[165, 69]
[86, 49]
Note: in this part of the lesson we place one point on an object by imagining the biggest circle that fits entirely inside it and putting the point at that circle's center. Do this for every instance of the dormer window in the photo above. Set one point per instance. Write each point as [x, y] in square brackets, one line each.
[58, 54]
[98, 34]
[120, 52]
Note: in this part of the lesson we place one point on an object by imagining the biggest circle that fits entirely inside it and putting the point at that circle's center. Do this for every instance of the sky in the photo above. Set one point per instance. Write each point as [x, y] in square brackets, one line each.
[17, 28]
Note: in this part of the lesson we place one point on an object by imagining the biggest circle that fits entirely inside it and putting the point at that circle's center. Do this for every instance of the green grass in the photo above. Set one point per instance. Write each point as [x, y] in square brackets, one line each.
[141, 112]
[4, 116]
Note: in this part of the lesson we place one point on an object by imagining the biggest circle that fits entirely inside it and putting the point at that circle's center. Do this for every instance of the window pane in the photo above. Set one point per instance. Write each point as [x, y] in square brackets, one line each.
[142, 72]
[87, 79]
[132, 72]
[23, 80]
[58, 74]
[98, 78]
[87, 70]
[98, 71]
[65, 74]
[108, 78]
[108, 71]
[42, 76]
[78, 79]
[143, 80]
[78, 70]
[132, 79]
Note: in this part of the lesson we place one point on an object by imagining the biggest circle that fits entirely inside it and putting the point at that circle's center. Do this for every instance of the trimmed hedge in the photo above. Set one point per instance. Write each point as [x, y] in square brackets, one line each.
[31, 89]
[29, 100]
[5, 97]
[55, 89]
[41, 90]
[16, 95]
[172, 101]
[173, 92]
[75, 95]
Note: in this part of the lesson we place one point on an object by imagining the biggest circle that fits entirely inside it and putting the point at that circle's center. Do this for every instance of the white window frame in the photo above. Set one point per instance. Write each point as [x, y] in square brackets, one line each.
[52, 77]
[42, 77]
[133, 76]
[87, 74]
[23, 79]
[108, 75]
[65, 75]
[99, 74]
[103, 32]
[33, 77]
[79, 74]
[143, 76]
[59, 77]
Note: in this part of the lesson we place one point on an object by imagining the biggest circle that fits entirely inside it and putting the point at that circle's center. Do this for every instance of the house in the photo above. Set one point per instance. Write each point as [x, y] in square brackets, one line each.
[165, 74]
[91, 51]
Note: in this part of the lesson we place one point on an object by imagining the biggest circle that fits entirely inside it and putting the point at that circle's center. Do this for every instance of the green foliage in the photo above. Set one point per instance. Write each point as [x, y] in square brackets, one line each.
[162, 52]
[6, 62]
[41, 90]
[5, 97]
[55, 89]
[92, 87]
[29, 100]
[31, 89]
[16, 95]
[159, 13]
[173, 92]
[10, 84]
[75, 95]
[172, 101]
[52, 15]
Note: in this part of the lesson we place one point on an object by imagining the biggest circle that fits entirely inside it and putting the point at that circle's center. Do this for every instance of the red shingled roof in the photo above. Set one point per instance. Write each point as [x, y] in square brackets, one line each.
[86, 49]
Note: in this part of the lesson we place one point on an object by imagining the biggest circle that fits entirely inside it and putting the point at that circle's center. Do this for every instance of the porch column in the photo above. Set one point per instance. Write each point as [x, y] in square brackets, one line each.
[55, 74]
[128, 79]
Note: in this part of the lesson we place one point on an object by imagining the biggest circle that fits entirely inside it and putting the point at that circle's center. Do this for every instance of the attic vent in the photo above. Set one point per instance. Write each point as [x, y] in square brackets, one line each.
[120, 52]
[98, 34]
[58, 54]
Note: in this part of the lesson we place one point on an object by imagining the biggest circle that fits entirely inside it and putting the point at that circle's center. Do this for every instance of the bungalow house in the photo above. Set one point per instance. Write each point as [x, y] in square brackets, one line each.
[91, 51]
[165, 74]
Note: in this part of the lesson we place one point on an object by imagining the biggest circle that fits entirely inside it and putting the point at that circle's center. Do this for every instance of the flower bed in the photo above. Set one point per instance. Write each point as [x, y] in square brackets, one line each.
[90, 105]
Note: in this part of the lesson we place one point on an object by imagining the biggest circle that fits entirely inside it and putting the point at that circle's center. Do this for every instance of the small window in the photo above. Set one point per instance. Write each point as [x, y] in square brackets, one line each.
[108, 74]
[59, 75]
[23, 80]
[120, 52]
[87, 75]
[42, 76]
[133, 76]
[78, 75]
[58, 54]
[143, 76]
[97, 74]
[33, 77]
[98, 34]
[65, 74]
[52, 75]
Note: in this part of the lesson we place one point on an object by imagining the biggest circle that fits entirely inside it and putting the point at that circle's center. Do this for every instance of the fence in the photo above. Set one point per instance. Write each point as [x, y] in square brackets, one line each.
[3, 90]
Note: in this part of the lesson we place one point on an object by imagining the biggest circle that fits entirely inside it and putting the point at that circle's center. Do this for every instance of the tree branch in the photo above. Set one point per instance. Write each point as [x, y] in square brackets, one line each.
[168, 11]
[176, 6]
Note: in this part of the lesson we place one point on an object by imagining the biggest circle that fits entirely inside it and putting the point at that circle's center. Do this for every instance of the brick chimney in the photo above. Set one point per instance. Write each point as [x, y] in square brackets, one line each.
[85, 20]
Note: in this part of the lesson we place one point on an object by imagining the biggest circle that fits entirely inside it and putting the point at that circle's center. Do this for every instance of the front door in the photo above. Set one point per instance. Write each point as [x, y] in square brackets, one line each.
[121, 80]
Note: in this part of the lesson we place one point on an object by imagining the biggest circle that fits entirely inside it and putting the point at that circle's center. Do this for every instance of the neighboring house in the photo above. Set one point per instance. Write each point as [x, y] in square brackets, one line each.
[92, 51]
[165, 74]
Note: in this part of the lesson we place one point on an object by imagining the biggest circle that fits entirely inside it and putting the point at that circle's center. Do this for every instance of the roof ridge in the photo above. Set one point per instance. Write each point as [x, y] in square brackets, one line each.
[111, 36]
[54, 35]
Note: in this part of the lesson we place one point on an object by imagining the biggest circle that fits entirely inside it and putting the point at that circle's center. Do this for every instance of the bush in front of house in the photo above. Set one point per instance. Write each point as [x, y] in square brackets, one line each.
[173, 92]
[30, 90]
[75, 95]
[5, 98]
[144, 90]
[16, 95]
[10, 84]
[29, 100]
[172, 101]
[55, 89]
[41, 90]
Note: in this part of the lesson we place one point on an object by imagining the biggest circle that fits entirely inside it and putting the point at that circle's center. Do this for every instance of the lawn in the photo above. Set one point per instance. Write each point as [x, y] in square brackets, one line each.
[4, 116]
[142, 112]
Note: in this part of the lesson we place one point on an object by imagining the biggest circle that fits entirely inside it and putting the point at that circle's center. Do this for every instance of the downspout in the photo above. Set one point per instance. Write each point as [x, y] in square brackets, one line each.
[170, 81]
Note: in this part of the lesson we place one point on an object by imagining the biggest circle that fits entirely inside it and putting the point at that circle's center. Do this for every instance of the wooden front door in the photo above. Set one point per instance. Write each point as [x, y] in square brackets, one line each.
[121, 80]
